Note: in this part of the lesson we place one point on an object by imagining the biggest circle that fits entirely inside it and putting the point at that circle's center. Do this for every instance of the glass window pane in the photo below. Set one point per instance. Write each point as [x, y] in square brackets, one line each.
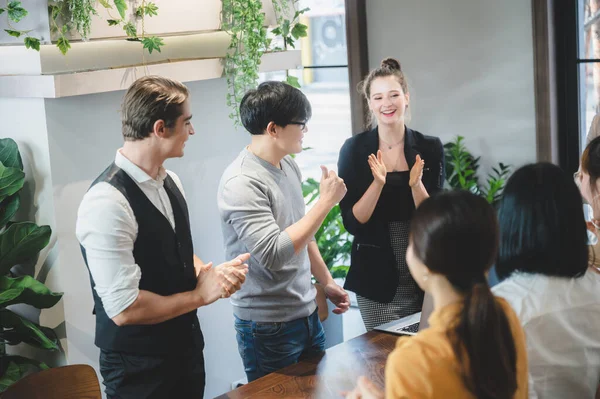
[326, 40]
[330, 124]
[584, 34]
[589, 94]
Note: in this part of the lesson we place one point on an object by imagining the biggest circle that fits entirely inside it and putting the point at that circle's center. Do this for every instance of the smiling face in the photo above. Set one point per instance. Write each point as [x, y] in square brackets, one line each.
[289, 138]
[388, 101]
[174, 140]
[588, 192]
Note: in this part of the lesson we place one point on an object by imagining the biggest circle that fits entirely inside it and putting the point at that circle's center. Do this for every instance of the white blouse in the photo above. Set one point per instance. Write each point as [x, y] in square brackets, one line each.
[561, 319]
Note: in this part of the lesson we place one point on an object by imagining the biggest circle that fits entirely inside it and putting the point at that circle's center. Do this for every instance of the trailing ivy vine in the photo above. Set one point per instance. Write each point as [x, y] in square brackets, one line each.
[68, 15]
[146, 9]
[243, 20]
[15, 13]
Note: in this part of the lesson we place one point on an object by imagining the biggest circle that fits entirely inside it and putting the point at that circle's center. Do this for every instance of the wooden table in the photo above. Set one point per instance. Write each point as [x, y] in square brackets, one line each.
[328, 375]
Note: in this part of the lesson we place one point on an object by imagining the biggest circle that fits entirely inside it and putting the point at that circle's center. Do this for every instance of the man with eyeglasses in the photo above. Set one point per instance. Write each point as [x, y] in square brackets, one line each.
[262, 211]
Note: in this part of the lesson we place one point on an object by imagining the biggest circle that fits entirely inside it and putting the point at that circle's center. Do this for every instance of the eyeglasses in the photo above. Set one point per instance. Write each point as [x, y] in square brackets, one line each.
[577, 176]
[301, 124]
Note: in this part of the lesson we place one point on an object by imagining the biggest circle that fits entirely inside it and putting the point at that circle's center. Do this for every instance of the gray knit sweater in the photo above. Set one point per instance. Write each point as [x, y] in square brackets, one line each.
[257, 202]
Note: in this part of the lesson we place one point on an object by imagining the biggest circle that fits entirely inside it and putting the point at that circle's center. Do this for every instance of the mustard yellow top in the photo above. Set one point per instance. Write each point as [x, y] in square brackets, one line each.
[424, 366]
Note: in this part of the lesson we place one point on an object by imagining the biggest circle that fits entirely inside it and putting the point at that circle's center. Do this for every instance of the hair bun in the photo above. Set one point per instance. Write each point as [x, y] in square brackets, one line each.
[391, 63]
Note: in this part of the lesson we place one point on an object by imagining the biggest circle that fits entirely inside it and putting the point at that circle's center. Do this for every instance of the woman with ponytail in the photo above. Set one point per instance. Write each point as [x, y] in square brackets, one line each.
[388, 170]
[543, 262]
[474, 346]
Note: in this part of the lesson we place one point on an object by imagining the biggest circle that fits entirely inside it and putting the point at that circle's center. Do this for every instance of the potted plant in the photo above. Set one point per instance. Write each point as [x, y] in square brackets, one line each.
[462, 168]
[19, 242]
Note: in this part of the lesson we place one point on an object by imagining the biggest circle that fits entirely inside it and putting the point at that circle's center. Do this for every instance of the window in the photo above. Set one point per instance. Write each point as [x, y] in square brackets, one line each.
[588, 60]
[324, 80]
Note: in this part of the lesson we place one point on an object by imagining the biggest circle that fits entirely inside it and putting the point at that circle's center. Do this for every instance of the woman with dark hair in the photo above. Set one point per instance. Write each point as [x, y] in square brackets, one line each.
[474, 346]
[543, 262]
[388, 172]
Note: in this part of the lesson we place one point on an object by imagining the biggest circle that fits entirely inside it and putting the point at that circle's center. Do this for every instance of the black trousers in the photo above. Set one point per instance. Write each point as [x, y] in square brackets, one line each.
[153, 376]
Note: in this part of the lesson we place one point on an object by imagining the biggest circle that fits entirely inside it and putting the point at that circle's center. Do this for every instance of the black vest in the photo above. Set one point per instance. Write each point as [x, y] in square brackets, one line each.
[166, 260]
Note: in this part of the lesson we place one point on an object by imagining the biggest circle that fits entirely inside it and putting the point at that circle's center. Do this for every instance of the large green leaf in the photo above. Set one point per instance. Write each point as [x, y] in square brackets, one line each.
[20, 242]
[8, 208]
[11, 375]
[26, 290]
[15, 11]
[15, 329]
[11, 181]
[121, 7]
[16, 368]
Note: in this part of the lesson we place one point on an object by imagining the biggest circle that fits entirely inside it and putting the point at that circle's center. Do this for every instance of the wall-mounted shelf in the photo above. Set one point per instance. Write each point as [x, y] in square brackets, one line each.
[106, 80]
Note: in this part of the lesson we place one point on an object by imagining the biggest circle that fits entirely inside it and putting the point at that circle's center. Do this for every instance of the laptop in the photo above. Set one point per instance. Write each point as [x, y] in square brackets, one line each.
[410, 325]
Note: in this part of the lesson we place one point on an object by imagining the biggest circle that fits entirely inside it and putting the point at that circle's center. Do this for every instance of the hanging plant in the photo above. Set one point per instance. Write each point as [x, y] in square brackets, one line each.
[81, 15]
[243, 20]
[68, 15]
[146, 9]
[289, 30]
[15, 13]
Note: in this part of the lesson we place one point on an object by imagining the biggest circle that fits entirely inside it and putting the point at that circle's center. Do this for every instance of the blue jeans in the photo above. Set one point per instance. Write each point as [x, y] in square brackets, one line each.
[267, 347]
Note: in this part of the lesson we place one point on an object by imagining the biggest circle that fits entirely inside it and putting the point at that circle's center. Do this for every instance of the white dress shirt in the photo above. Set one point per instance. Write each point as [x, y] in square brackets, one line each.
[107, 229]
[561, 319]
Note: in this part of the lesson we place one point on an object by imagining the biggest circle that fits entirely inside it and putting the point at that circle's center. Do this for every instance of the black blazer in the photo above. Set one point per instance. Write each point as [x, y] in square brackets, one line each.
[373, 273]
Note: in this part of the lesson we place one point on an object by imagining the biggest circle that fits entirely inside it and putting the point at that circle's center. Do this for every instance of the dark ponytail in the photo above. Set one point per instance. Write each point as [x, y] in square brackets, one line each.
[483, 339]
[456, 234]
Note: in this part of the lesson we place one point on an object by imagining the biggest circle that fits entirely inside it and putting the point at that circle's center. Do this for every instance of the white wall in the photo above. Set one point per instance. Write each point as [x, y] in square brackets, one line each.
[469, 65]
[84, 133]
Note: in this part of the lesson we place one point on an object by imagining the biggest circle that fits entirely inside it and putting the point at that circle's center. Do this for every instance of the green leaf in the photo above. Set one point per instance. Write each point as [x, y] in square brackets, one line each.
[14, 33]
[299, 30]
[130, 29]
[113, 22]
[121, 7]
[152, 43]
[293, 81]
[20, 242]
[26, 290]
[20, 360]
[2, 10]
[8, 208]
[300, 12]
[339, 271]
[32, 43]
[285, 28]
[63, 44]
[15, 11]
[10, 376]
[23, 367]
[105, 3]
[11, 181]
[16, 329]
[151, 9]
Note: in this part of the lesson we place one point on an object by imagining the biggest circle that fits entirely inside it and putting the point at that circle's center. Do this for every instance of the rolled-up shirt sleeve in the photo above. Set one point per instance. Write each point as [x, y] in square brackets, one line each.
[106, 228]
[245, 205]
